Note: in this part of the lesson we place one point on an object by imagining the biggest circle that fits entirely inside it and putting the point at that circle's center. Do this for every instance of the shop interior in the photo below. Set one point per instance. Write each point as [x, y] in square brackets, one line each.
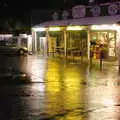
[103, 40]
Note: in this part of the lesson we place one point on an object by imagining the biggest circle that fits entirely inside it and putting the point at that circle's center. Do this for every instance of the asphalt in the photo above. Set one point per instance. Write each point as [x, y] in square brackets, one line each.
[59, 89]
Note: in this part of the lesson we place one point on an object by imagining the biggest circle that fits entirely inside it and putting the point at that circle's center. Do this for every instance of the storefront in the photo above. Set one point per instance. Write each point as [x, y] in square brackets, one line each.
[78, 36]
[105, 39]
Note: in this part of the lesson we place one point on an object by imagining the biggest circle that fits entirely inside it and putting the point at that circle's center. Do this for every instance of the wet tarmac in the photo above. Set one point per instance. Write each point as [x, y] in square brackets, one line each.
[57, 90]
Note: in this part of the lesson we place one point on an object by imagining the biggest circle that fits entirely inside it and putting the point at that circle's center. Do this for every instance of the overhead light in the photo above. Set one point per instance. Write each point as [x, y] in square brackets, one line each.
[39, 29]
[104, 27]
[74, 28]
[54, 28]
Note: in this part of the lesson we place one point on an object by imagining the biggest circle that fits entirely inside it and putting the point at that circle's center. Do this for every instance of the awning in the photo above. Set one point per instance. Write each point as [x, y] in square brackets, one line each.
[83, 21]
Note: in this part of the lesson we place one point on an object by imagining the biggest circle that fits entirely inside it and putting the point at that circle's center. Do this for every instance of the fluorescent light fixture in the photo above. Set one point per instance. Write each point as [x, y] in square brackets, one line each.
[39, 29]
[74, 28]
[104, 27]
[54, 28]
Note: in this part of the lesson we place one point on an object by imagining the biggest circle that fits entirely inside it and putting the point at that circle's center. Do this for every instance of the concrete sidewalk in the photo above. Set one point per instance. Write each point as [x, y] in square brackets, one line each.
[78, 60]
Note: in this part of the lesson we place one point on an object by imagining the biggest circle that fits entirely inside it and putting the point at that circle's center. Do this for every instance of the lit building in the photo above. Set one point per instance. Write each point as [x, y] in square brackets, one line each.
[82, 29]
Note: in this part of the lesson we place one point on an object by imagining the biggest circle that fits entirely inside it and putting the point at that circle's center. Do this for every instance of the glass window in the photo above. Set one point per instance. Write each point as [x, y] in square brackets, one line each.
[105, 38]
[77, 40]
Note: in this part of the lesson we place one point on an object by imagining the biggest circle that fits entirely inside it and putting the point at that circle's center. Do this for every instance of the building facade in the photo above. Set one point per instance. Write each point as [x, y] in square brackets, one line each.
[90, 29]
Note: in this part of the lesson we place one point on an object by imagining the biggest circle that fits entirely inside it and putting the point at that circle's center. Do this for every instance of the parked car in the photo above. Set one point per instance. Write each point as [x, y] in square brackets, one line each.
[8, 47]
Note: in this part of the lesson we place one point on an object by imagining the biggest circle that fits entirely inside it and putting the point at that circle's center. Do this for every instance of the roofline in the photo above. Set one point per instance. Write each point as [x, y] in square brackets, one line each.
[83, 21]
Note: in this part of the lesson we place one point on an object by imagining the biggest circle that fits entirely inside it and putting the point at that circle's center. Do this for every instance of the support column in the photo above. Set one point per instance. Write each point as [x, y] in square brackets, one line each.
[47, 39]
[32, 40]
[35, 43]
[88, 44]
[65, 43]
[115, 44]
[18, 41]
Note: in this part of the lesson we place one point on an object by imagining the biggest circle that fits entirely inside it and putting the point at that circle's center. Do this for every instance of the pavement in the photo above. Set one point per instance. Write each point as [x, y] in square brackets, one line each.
[60, 90]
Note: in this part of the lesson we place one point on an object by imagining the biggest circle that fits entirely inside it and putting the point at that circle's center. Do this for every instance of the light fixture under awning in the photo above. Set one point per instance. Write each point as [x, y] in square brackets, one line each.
[74, 28]
[39, 29]
[54, 29]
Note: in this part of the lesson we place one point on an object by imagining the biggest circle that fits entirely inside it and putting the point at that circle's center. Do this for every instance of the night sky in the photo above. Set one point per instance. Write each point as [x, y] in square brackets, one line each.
[21, 9]
[15, 7]
[20, 6]
[58, 4]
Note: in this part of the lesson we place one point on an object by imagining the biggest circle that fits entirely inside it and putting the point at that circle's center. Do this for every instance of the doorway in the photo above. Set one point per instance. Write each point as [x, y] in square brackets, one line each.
[43, 46]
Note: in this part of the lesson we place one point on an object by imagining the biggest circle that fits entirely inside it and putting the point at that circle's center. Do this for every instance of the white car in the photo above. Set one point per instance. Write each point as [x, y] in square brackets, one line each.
[9, 48]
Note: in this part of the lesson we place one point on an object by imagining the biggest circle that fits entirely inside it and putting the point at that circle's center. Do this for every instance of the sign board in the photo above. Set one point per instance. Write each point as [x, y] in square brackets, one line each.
[55, 16]
[65, 14]
[78, 11]
[96, 10]
[113, 9]
[92, 10]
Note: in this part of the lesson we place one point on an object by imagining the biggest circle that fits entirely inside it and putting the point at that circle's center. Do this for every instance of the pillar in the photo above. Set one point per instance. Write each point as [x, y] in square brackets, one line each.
[65, 43]
[88, 44]
[47, 39]
[35, 42]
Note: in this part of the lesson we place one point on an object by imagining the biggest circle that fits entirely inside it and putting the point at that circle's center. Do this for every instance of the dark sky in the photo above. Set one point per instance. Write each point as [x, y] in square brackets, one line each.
[22, 8]
[59, 4]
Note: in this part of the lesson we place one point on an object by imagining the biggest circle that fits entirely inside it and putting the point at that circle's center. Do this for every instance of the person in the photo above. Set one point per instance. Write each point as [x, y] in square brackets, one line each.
[91, 55]
[102, 53]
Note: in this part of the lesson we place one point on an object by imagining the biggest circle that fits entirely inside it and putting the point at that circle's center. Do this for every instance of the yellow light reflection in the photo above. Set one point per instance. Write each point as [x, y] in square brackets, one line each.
[74, 28]
[54, 29]
[53, 87]
[36, 68]
[73, 79]
[53, 76]
[64, 89]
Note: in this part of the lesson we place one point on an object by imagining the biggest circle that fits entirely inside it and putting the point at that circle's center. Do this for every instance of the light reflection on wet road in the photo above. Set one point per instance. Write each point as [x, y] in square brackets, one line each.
[59, 91]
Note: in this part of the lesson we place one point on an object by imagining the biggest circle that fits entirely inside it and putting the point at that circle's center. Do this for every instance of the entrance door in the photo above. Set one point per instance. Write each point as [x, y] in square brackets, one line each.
[43, 46]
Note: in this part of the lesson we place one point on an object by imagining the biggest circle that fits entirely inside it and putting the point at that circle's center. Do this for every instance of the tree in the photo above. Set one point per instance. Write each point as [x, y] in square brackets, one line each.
[13, 26]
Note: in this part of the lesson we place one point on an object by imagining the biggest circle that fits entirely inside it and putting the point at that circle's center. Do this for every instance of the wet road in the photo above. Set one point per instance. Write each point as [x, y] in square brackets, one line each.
[58, 90]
